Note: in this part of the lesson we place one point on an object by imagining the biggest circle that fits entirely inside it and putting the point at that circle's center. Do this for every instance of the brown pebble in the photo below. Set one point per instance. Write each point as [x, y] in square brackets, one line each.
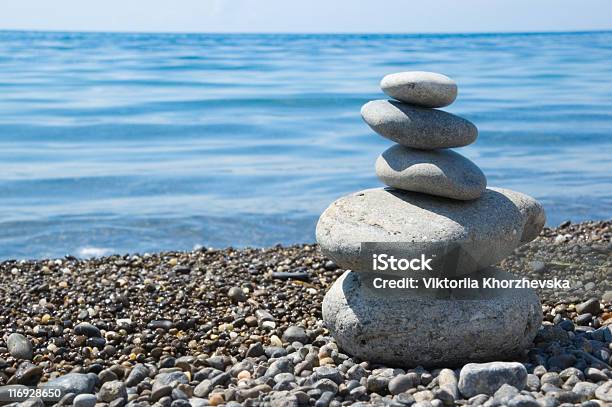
[215, 399]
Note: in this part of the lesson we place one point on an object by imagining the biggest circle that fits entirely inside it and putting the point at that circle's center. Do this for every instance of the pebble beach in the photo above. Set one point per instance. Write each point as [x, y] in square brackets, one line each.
[243, 327]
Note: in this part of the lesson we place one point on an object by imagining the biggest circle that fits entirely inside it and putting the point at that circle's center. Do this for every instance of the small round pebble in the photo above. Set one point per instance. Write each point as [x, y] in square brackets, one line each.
[295, 334]
[236, 294]
[216, 399]
[402, 383]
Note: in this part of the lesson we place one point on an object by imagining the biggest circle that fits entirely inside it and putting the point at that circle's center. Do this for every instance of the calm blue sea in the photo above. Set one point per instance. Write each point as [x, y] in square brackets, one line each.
[143, 142]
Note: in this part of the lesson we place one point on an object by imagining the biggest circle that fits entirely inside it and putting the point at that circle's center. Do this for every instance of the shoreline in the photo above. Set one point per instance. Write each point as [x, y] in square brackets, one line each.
[566, 250]
[221, 320]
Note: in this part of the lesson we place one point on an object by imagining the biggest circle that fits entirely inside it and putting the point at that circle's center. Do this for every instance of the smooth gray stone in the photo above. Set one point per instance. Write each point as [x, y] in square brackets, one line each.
[585, 389]
[32, 402]
[427, 89]
[5, 392]
[171, 378]
[436, 172]
[460, 236]
[407, 328]
[487, 378]
[198, 402]
[604, 392]
[295, 334]
[84, 400]
[137, 375]
[112, 390]
[77, 383]
[401, 383]
[523, 401]
[448, 381]
[506, 392]
[418, 127]
[19, 346]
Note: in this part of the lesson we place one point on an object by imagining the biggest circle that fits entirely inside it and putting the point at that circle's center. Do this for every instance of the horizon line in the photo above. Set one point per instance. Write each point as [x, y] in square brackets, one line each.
[458, 33]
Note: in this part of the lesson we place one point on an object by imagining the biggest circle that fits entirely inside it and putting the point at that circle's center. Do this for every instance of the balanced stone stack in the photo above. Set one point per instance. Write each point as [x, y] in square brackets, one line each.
[436, 206]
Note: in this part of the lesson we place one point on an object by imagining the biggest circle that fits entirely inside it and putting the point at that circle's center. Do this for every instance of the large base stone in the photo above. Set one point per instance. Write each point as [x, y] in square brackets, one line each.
[436, 328]
[460, 236]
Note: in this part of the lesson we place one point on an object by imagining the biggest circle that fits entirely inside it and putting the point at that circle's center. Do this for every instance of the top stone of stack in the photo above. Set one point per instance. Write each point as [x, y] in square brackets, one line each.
[426, 89]
[411, 119]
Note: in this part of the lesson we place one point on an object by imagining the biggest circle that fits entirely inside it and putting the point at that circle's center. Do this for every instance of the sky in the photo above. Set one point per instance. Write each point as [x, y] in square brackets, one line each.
[371, 16]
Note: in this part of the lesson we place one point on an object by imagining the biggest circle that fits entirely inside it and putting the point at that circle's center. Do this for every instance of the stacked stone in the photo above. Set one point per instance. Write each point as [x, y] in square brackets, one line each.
[436, 205]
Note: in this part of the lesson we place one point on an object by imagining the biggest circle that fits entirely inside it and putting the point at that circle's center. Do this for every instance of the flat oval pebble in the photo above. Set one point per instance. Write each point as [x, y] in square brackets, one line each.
[439, 172]
[418, 127]
[77, 383]
[404, 329]
[427, 89]
[462, 236]
[19, 346]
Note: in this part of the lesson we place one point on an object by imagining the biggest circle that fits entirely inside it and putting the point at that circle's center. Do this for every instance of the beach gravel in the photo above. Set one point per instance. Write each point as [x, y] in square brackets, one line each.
[167, 326]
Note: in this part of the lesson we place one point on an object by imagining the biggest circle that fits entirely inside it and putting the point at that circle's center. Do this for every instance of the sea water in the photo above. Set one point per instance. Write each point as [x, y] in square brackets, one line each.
[144, 142]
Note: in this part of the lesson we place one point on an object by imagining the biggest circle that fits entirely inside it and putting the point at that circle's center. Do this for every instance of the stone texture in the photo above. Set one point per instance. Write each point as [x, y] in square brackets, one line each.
[437, 172]
[410, 328]
[19, 346]
[487, 378]
[137, 375]
[464, 236]
[427, 89]
[590, 306]
[401, 383]
[84, 400]
[87, 329]
[502, 395]
[32, 402]
[112, 390]
[27, 373]
[77, 383]
[295, 334]
[169, 379]
[7, 391]
[604, 392]
[448, 381]
[586, 390]
[418, 127]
